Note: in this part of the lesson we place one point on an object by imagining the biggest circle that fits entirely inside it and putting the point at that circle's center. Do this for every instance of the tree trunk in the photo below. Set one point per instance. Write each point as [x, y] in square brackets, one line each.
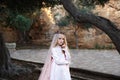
[76, 36]
[23, 37]
[7, 69]
[5, 61]
[102, 23]
[76, 40]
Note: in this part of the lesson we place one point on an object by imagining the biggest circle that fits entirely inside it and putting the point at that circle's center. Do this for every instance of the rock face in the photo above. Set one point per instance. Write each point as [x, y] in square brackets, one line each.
[111, 11]
[91, 38]
[45, 27]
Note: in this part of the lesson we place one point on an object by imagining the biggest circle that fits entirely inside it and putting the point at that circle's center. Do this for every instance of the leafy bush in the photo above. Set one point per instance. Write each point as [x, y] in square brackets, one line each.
[110, 46]
[21, 23]
[97, 46]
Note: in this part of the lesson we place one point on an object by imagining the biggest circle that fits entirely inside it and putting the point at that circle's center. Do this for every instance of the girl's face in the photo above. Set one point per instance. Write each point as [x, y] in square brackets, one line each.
[61, 39]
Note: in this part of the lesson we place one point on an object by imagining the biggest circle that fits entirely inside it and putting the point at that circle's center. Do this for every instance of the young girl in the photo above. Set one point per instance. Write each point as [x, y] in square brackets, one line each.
[56, 66]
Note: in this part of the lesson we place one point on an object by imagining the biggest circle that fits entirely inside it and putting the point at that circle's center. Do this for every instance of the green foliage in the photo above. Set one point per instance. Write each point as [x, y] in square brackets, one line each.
[30, 5]
[86, 6]
[6, 17]
[66, 21]
[87, 26]
[100, 2]
[89, 3]
[98, 46]
[23, 6]
[21, 23]
[63, 22]
[10, 19]
[85, 9]
[110, 46]
[69, 19]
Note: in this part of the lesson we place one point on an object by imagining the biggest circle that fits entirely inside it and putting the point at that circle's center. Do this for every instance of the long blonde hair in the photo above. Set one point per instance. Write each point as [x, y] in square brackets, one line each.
[55, 39]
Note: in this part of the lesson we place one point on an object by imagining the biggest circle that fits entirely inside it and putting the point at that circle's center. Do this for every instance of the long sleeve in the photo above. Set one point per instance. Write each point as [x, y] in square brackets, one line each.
[58, 60]
[68, 57]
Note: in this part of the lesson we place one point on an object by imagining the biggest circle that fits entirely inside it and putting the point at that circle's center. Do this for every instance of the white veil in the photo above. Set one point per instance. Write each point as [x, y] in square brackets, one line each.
[45, 73]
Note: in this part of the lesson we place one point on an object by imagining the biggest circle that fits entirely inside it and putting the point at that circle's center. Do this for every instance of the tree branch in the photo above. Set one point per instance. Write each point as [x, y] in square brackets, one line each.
[102, 23]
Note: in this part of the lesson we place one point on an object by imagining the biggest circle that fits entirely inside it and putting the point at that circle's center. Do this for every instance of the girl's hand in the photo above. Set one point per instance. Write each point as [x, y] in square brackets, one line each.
[63, 46]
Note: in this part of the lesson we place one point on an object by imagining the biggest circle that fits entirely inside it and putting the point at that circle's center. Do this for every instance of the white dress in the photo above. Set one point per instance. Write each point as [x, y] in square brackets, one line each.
[60, 65]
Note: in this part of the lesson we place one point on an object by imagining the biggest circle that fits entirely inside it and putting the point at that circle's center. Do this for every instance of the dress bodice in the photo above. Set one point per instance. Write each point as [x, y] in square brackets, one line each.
[59, 57]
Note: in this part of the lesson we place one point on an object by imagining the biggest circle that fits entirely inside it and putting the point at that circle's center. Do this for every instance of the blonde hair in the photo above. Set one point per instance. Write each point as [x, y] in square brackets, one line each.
[55, 39]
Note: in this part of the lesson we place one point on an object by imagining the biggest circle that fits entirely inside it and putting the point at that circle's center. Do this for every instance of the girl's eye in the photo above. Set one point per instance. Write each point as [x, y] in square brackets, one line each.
[61, 38]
